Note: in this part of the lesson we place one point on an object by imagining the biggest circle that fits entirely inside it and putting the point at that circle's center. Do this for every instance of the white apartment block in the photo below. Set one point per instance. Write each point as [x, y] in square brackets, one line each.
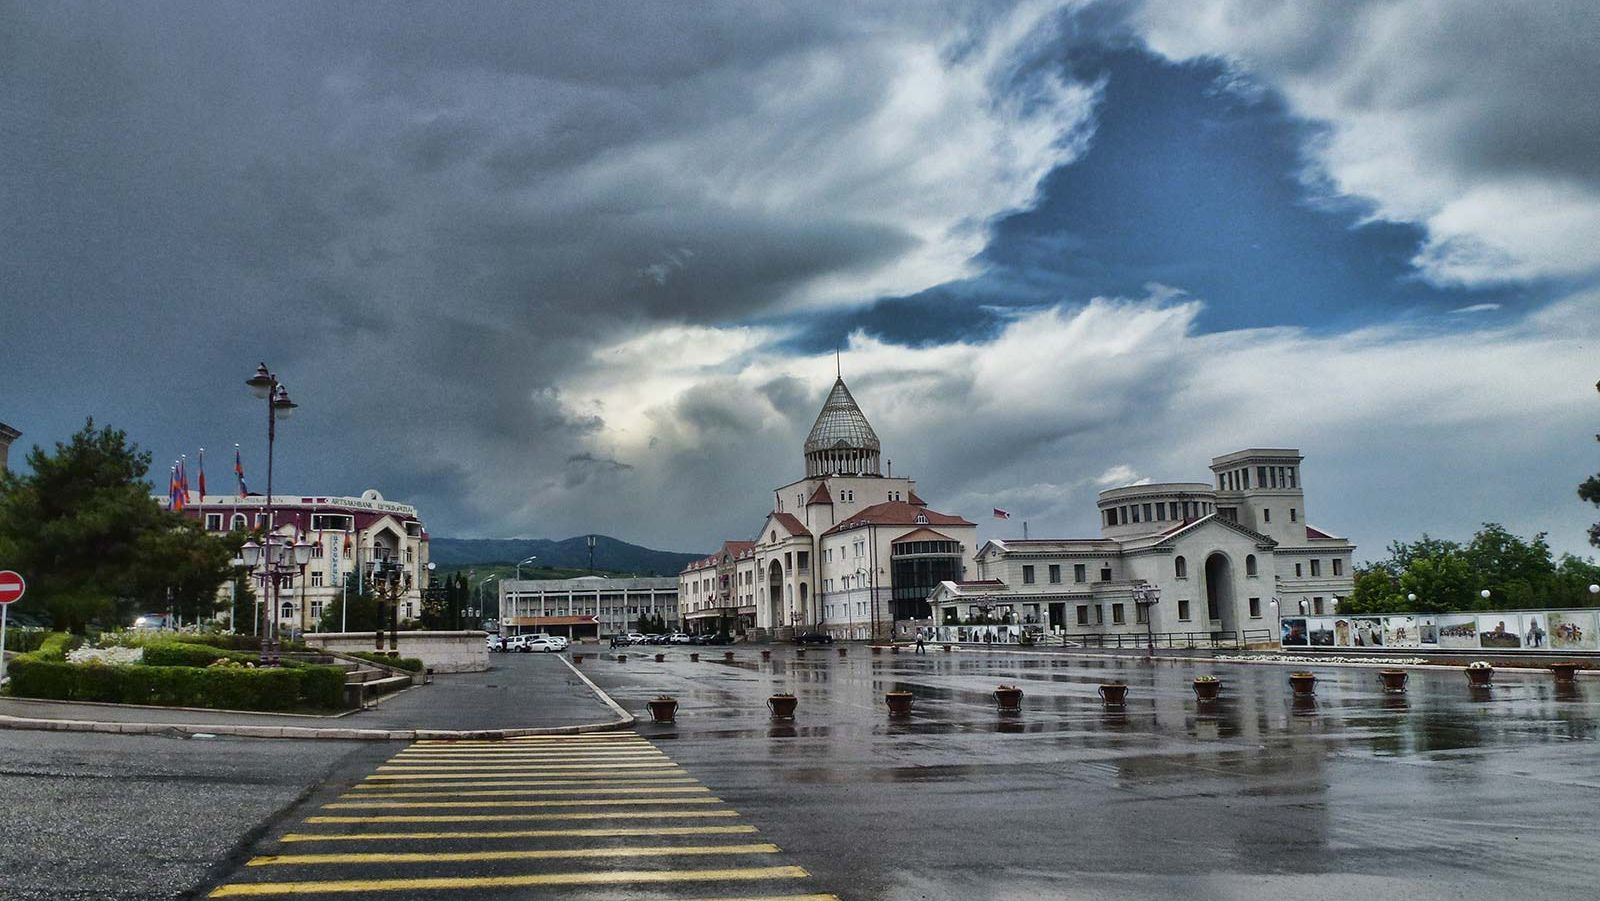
[585, 607]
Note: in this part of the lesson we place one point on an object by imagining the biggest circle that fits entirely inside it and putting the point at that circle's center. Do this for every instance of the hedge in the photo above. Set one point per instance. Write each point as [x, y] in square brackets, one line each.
[223, 640]
[410, 664]
[227, 688]
[25, 640]
[182, 653]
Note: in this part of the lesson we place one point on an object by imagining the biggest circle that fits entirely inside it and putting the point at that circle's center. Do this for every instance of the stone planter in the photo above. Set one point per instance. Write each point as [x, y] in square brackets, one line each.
[899, 702]
[1114, 694]
[727, 656]
[842, 651]
[799, 652]
[1394, 680]
[1207, 689]
[577, 658]
[877, 650]
[947, 648]
[663, 710]
[782, 706]
[766, 655]
[894, 649]
[1480, 676]
[1565, 672]
[1303, 683]
[1009, 697]
[622, 658]
[694, 657]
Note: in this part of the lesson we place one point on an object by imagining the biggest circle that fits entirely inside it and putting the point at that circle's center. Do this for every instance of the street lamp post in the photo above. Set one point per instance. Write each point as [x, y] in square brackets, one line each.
[279, 561]
[390, 581]
[482, 605]
[1146, 596]
[265, 386]
[527, 562]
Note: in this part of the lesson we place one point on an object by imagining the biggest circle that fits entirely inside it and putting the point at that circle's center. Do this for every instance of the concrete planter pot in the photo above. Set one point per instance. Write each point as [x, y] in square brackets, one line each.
[577, 658]
[1565, 672]
[727, 656]
[663, 709]
[694, 658]
[1009, 697]
[766, 655]
[1114, 694]
[782, 706]
[1303, 683]
[1480, 676]
[947, 648]
[661, 658]
[842, 651]
[1207, 688]
[799, 652]
[877, 650]
[1394, 680]
[622, 658]
[899, 702]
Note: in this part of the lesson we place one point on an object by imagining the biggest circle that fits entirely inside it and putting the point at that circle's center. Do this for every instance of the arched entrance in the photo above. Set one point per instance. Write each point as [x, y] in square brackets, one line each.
[1220, 605]
[775, 609]
[805, 612]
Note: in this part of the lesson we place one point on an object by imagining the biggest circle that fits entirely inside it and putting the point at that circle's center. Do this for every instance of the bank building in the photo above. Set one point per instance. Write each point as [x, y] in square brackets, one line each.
[857, 553]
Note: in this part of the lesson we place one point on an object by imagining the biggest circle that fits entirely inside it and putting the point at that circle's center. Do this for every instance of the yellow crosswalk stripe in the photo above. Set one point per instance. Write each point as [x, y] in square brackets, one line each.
[518, 817]
[589, 772]
[370, 857]
[506, 792]
[525, 783]
[598, 802]
[612, 832]
[493, 767]
[525, 759]
[525, 755]
[442, 883]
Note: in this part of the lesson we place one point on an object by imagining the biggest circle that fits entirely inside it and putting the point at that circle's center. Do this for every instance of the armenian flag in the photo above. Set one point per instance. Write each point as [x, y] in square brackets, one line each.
[202, 475]
[238, 470]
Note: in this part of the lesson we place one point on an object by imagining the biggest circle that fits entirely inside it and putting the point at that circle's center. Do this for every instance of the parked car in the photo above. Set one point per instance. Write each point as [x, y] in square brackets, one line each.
[718, 638]
[678, 638]
[813, 638]
[152, 621]
[560, 641]
[494, 642]
[633, 637]
[513, 642]
[542, 645]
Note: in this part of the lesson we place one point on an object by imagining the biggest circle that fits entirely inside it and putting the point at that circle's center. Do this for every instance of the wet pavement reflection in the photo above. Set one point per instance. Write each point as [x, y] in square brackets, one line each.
[1439, 792]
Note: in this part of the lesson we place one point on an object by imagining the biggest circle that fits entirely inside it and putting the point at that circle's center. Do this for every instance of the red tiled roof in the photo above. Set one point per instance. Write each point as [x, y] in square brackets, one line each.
[820, 496]
[788, 521]
[911, 498]
[924, 535]
[1319, 535]
[897, 513]
[737, 548]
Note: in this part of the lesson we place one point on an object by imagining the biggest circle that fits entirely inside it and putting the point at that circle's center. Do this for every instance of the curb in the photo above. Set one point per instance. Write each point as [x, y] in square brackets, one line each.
[195, 730]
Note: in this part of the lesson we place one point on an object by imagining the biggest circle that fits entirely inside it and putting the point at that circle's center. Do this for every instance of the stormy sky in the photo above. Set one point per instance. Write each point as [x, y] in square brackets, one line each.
[547, 269]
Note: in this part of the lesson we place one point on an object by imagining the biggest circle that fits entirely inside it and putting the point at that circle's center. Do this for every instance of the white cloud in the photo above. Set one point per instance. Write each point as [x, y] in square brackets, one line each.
[1475, 120]
[1405, 430]
[1477, 308]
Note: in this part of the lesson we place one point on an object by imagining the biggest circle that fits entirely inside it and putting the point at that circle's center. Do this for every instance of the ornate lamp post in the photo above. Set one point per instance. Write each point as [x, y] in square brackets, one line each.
[279, 562]
[265, 386]
[390, 581]
[1146, 596]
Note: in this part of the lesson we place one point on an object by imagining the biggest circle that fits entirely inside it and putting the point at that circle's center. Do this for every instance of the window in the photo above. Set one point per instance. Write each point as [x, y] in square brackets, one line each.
[1255, 608]
[1297, 572]
[316, 610]
[1316, 568]
[1316, 605]
[1250, 564]
[408, 555]
[1055, 574]
[318, 551]
[213, 522]
[1099, 614]
[1266, 515]
[1027, 575]
[288, 610]
[1183, 611]
[1292, 516]
[1147, 516]
[239, 523]
[1180, 567]
[1080, 572]
[1111, 516]
[316, 580]
[1105, 573]
[332, 522]
[1338, 567]
[1117, 617]
[1083, 614]
[1141, 613]
[1261, 476]
[1135, 509]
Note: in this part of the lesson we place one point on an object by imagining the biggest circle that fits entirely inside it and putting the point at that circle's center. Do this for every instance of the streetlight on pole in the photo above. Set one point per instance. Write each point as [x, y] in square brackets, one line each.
[280, 561]
[1146, 596]
[265, 386]
[481, 604]
[527, 562]
[390, 580]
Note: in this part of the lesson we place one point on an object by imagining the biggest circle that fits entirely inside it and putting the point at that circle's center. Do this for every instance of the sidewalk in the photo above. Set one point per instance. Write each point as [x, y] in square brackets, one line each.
[519, 695]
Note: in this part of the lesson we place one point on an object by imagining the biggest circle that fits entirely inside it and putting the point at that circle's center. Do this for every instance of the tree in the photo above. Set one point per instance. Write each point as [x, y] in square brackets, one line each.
[363, 613]
[1440, 584]
[1377, 590]
[83, 528]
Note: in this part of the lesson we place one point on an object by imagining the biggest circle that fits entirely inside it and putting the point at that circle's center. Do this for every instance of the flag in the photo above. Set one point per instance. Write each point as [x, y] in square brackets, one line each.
[202, 475]
[1001, 514]
[183, 481]
[172, 488]
[238, 470]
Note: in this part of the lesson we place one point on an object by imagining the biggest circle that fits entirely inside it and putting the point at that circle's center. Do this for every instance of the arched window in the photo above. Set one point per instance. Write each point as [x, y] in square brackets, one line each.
[288, 610]
[1250, 565]
[239, 522]
[1180, 567]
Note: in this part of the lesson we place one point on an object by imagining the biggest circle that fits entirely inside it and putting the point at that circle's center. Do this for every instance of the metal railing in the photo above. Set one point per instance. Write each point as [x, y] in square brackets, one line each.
[1208, 639]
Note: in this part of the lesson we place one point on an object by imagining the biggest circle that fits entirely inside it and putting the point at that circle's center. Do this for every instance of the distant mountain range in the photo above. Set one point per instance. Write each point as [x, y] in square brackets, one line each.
[610, 554]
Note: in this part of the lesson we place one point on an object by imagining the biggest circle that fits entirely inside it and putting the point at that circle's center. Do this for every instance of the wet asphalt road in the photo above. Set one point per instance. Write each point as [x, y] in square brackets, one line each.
[1438, 794]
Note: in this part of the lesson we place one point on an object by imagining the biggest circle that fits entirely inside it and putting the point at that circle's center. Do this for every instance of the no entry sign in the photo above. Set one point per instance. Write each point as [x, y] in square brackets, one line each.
[11, 586]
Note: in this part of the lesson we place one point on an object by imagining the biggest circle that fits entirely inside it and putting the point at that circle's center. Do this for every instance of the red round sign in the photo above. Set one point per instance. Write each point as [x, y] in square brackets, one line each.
[11, 586]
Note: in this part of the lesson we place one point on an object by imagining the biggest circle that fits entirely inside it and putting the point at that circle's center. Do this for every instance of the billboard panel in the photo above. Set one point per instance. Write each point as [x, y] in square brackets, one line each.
[1320, 632]
[1458, 630]
[1400, 631]
[1428, 631]
[1294, 632]
[1571, 631]
[1498, 631]
[1366, 632]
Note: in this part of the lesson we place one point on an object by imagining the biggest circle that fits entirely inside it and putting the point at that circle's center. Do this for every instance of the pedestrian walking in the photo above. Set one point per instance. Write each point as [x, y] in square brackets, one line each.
[920, 648]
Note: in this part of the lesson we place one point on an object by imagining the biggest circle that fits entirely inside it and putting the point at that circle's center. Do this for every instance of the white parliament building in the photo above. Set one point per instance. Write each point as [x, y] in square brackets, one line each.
[846, 550]
[1222, 558]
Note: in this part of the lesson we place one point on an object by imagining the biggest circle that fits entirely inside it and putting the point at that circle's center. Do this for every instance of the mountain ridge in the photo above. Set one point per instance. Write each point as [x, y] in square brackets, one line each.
[610, 554]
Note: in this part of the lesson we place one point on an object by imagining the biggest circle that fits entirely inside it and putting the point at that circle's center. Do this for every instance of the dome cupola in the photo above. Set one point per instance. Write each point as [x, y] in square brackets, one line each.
[842, 441]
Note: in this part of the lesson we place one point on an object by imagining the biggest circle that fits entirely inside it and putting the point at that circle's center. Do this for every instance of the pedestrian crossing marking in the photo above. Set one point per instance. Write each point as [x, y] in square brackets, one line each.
[370, 857]
[588, 772]
[503, 792]
[499, 767]
[489, 783]
[508, 817]
[577, 802]
[442, 883]
[611, 832]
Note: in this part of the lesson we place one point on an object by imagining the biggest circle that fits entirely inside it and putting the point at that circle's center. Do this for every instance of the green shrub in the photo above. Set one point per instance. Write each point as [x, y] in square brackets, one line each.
[231, 688]
[182, 653]
[24, 640]
[55, 646]
[410, 664]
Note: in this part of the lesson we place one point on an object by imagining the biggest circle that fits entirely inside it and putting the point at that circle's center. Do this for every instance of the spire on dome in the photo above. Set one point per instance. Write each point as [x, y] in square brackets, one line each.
[841, 442]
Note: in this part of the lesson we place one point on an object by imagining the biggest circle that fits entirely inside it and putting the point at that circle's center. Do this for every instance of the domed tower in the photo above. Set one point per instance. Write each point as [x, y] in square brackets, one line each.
[841, 442]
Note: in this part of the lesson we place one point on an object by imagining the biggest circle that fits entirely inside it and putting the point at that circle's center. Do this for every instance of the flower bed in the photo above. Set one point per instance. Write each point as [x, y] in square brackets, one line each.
[409, 664]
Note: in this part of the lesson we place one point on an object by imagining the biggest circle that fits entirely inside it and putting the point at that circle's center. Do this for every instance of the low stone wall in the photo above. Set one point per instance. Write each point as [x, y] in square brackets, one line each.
[441, 652]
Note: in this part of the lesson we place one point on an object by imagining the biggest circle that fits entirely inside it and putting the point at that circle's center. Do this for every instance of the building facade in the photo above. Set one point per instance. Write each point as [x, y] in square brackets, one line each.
[847, 550]
[586, 607]
[1227, 556]
[347, 536]
[7, 435]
